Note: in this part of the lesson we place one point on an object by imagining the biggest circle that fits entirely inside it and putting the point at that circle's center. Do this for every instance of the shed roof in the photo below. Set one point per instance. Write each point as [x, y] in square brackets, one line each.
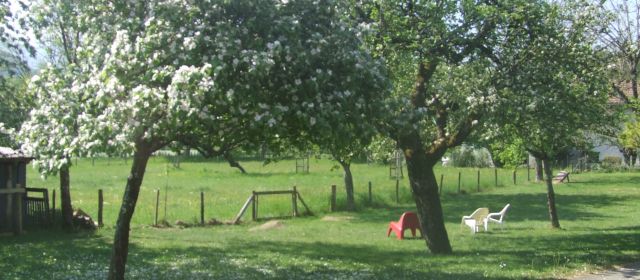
[11, 155]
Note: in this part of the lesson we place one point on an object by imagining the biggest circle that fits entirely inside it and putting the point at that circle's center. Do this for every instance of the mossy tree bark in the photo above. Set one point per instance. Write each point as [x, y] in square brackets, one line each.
[65, 198]
[551, 197]
[348, 184]
[539, 170]
[233, 163]
[424, 188]
[121, 239]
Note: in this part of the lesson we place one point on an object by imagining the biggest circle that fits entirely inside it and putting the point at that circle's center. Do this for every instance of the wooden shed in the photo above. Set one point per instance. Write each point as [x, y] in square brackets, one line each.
[13, 192]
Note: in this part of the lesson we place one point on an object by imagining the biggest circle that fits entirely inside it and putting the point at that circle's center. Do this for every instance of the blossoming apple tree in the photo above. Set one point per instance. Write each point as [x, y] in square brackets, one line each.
[204, 73]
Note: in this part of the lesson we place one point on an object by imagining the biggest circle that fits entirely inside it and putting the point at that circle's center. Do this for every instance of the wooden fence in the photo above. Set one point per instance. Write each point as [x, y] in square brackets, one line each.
[37, 212]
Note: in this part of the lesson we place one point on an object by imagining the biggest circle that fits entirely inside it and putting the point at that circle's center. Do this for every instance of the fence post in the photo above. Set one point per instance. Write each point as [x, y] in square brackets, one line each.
[514, 176]
[370, 196]
[202, 208]
[441, 182]
[19, 209]
[333, 198]
[397, 191]
[157, 204]
[495, 176]
[294, 201]
[166, 204]
[100, 208]
[459, 178]
[9, 205]
[254, 215]
[478, 180]
[53, 205]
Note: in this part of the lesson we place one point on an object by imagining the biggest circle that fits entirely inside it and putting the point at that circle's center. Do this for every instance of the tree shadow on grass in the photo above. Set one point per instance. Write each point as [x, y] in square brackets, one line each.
[301, 260]
[534, 206]
[269, 259]
[524, 207]
[52, 254]
[58, 255]
[601, 248]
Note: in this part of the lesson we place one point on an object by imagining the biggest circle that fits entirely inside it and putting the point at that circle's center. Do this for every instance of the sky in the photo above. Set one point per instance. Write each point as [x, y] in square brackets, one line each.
[34, 62]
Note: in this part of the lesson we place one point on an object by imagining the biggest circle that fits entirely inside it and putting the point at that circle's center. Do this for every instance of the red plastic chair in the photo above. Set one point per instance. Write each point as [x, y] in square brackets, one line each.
[408, 220]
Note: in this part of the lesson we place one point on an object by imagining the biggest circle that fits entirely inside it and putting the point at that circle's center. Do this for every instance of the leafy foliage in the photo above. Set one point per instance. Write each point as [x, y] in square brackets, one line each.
[509, 153]
[14, 43]
[15, 107]
[556, 86]
[15, 49]
[630, 136]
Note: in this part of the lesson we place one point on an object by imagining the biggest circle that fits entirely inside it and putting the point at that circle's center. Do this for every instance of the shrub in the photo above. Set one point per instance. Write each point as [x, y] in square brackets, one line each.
[612, 161]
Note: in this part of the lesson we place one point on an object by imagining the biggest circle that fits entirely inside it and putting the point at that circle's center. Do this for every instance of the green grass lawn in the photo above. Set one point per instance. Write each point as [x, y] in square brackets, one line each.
[598, 213]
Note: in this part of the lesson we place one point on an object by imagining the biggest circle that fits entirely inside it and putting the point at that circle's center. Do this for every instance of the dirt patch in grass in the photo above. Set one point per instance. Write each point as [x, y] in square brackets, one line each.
[268, 225]
[337, 218]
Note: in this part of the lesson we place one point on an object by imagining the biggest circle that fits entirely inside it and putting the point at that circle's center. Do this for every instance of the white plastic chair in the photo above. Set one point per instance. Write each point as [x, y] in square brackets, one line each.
[476, 220]
[496, 218]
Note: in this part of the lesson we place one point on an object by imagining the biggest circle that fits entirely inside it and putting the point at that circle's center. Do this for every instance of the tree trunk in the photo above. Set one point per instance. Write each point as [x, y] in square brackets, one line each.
[539, 170]
[633, 155]
[634, 81]
[348, 184]
[551, 197]
[424, 188]
[496, 163]
[121, 239]
[233, 163]
[65, 198]
[626, 156]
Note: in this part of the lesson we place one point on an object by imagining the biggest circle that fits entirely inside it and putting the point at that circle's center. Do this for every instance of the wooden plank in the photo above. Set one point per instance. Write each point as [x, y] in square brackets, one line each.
[305, 205]
[273, 192]
[561, 176]
[242, 210]
[13, 191]
[45, 195]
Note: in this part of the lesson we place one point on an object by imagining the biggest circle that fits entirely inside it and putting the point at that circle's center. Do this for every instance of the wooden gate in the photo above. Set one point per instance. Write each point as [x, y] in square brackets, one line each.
[38, 213]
